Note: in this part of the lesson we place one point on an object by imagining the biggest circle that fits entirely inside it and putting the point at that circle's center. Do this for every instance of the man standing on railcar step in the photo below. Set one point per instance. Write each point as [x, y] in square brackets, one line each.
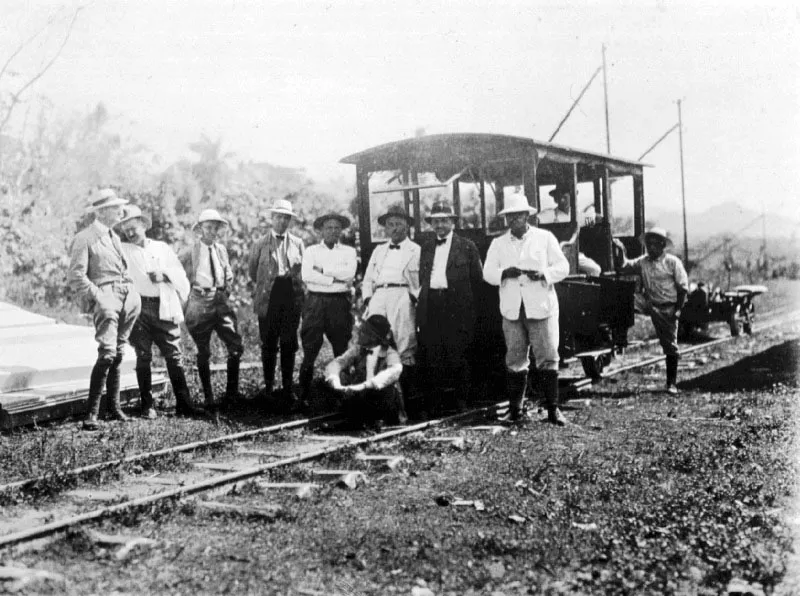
[275, 268]
[526, 262]
[328, 270]
[665, 286]
[211, 278]
[391, 286]
[450, 273]
[161, 281]
[98, 275]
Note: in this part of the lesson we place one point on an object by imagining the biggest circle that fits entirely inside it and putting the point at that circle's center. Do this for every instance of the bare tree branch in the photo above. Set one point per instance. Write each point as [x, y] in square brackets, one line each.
[23, 45]
[15, 97]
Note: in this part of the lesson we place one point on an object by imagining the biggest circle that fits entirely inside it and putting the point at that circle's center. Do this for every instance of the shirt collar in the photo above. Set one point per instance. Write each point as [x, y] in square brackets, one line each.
[524, 236]
[104, 229]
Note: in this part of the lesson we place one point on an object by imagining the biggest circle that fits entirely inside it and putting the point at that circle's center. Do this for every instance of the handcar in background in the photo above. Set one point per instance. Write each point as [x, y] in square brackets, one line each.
[474, 172]
[734, 307]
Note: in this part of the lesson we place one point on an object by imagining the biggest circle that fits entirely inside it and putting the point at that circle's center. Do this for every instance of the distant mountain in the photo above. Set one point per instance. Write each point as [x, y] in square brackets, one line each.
[725, 219]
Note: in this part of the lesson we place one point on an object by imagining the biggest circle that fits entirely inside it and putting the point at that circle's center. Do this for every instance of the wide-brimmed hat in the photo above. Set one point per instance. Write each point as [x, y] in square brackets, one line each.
[375, 330]
[320, 221]
[660, 232]
[441, 210]
[283, 207]
[210, 215]
[395, 211]
[559, 190]
[105, 197]
[517, 203]
[133, 212]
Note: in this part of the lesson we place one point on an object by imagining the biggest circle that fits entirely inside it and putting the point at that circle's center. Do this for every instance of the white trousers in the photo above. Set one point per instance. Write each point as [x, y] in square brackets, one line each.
[395, 305]
[541, 335]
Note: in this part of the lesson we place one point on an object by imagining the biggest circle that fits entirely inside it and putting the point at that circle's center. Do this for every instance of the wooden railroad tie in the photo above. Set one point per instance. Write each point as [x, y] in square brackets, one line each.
[455, 442]
[344, 478]
[267, 511]
[391, 462]
[301, 489]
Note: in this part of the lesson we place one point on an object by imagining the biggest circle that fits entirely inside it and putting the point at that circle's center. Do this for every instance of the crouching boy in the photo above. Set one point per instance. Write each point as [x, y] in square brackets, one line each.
[365, 378]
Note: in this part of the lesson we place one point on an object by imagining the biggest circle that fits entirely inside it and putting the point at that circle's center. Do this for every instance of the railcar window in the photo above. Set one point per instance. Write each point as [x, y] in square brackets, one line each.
[379, 202]
[622, 197]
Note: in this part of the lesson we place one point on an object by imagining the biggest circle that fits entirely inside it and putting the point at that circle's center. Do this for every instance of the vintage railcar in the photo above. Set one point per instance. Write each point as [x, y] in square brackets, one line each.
[474, 171]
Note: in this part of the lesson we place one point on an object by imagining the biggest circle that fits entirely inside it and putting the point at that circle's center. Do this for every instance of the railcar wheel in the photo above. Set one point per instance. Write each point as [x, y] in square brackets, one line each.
[593, 368]
[733, 322]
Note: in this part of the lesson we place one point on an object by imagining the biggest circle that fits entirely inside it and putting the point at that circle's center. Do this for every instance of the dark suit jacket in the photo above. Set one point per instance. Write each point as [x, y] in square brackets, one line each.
[190, 258]
[464, 274]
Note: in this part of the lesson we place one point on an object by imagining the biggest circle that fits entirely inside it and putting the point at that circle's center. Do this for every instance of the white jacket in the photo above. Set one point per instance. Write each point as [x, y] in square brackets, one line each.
[537, 250]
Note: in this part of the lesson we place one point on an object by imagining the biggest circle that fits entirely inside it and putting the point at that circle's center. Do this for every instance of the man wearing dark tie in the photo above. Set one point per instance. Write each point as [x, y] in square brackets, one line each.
[450, 273]
[208, 309]
[275, 268]
[98, 275]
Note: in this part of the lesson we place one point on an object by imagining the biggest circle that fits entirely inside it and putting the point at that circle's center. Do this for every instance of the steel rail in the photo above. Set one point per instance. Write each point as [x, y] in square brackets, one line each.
[245, 474]
[29, 482]
[219, 481]
[584, 383]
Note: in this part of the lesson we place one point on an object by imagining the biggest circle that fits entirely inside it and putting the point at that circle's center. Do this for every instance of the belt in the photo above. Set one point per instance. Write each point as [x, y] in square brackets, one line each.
[151, 299]
[438, 290]
[114, 282]
[664, 304]
[336, 294]
[205, 291]
[391, 286]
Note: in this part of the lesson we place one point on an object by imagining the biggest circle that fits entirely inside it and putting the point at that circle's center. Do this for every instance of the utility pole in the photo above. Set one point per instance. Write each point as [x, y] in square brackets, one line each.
[605, 94]
[683, 190]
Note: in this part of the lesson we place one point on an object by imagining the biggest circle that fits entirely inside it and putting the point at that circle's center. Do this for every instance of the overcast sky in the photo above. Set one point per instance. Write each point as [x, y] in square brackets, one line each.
[306, 83]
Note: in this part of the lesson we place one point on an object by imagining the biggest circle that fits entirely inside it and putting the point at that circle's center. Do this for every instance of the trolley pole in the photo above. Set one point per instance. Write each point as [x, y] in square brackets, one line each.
[683, 190]
[605, 95]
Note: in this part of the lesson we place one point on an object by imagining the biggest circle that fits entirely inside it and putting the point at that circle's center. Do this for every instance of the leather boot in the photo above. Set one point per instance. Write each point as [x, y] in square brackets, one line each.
[96, 382]
[177, 378]
[672, 373]
[549, 380]
[204, 372]
[112, 391]
[232, 386]
[515, 390]
[287, 371]
[144, 378]
[268, 360]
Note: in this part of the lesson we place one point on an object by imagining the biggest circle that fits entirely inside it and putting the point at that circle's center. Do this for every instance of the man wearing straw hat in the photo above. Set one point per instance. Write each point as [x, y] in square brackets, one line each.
[274, 265]
[159, 278]
[98, 275]
[525, 263]
[391, 286]
[208, 310]
[665, 286]
[450, 274]
[562, 213]
[328, 270]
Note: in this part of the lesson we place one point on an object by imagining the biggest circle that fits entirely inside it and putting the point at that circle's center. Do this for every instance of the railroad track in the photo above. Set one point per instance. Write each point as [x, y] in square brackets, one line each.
[208, 477]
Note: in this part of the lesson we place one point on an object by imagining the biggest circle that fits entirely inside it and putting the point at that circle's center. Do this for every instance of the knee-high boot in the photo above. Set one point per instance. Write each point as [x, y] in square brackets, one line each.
[515, 389]
[96, 382]
[144, 378]
[204, 372]
[112, 391]
[268, 360]
[287, 372]
[672, 370]
[232, 387]
[549, 380]
[177, 378]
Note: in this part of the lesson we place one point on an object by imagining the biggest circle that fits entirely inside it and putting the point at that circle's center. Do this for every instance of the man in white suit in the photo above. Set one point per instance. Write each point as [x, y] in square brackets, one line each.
[391, 286]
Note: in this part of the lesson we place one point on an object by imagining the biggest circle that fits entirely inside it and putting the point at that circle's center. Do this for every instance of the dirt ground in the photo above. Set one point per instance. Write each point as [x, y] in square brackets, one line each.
[644, 494]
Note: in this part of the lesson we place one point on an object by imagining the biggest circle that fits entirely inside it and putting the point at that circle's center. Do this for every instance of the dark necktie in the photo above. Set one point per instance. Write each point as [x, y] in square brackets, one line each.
[213, 267]
[440, 241]
[280, 238]
[394, 247]
[118, 248]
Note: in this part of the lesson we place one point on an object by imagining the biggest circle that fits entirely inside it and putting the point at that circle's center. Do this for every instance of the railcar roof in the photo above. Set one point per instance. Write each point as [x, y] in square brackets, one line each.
[437, 152]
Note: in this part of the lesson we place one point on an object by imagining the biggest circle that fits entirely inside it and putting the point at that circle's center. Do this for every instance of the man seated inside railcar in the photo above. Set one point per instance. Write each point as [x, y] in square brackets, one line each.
[561, 213]
[365, 378]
